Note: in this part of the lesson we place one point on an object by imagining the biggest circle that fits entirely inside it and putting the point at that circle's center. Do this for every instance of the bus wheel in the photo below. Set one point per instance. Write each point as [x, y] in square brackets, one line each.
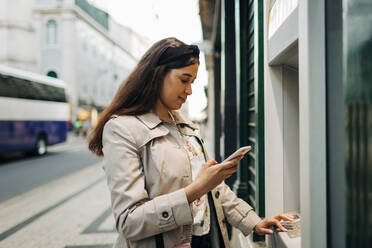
[41, 146]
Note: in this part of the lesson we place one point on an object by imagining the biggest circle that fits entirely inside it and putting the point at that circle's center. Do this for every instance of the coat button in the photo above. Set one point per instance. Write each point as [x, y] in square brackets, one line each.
[217, 194]
[165, 214]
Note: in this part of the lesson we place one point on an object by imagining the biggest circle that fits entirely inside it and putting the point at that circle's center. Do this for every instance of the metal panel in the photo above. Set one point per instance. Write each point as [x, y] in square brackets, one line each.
[228, 81]
[358, 121]
[336, 213]
[250, 186]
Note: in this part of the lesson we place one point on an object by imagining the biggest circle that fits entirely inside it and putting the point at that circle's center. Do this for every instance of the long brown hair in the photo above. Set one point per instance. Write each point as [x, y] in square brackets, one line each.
[139, 93]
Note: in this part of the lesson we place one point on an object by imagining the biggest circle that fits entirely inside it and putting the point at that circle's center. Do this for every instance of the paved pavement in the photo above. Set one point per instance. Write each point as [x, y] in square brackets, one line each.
[70, 212]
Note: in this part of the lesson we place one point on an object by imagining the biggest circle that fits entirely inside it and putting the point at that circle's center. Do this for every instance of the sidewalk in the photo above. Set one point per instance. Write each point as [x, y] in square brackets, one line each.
[70, 142]
[71, 212]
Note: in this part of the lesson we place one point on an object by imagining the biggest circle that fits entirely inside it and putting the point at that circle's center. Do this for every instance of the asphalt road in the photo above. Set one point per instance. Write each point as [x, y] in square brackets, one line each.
[20, 173]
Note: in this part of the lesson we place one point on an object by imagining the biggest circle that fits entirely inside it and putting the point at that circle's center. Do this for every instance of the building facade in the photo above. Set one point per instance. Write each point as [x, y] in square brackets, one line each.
[71, 40]
[292, 79]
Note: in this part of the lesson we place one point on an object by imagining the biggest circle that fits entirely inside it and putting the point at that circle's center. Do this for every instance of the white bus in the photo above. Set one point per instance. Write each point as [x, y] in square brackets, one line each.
[34, 111]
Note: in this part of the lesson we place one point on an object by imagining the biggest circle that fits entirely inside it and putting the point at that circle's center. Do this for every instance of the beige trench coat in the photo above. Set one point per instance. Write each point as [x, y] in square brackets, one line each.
[146, 174]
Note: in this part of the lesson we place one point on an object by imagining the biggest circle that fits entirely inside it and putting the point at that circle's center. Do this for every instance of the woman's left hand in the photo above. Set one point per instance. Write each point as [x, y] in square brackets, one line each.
[263, 227]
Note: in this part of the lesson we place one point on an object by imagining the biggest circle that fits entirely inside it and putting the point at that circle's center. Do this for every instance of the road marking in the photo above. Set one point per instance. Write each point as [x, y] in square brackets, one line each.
[26, 222]
[93, 227]
[82, 221]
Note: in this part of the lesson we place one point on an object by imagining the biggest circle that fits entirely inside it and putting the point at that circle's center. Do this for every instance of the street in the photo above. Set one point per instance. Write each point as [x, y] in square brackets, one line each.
[57, 200]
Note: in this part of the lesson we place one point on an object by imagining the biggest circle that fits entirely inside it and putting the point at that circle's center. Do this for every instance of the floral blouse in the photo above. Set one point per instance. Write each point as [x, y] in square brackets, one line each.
[200, 207]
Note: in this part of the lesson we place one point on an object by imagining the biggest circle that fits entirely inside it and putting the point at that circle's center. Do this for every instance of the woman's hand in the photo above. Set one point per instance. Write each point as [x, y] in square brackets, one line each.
[209, 176]
[263, 226]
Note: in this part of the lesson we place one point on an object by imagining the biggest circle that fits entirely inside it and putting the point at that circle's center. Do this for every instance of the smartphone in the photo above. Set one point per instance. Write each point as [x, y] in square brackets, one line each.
[241, 151]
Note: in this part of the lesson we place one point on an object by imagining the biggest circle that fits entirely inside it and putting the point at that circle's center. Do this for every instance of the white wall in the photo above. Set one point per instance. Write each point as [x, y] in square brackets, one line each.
[274, 140]
[281, 140]
[17, 35]
[312, 109]
[291, 146]
[92, 60]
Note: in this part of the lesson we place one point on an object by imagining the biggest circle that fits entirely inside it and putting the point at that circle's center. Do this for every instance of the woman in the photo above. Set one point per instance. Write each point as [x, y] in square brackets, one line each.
[164, 190]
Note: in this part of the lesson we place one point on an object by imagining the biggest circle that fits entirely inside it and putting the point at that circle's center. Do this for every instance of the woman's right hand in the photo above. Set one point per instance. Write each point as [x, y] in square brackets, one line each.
[209, 176]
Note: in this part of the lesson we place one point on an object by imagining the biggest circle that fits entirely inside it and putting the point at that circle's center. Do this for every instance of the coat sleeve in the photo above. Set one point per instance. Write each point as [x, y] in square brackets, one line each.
[137, 216]
[237, 212]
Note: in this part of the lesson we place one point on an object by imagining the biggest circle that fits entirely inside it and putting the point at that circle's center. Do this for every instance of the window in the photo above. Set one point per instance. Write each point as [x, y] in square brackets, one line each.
[52, 74]
[51, 32]
[22, 88]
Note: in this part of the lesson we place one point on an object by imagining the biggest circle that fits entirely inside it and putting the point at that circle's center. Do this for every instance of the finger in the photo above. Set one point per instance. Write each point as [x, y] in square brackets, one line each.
[287, 217]
[263, 230]
[228, 175]
[237, 159]
[231, 170]
[277, 223]
[284, 217]
[224, 166]
[210, 163]
[228, 164]
[274, 222]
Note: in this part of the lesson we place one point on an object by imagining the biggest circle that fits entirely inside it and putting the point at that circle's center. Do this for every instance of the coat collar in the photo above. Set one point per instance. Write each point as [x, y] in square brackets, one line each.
[151, 120]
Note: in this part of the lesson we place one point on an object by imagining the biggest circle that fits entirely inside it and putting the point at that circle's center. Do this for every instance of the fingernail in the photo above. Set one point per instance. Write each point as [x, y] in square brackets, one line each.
[285, 230]
[270, 232]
